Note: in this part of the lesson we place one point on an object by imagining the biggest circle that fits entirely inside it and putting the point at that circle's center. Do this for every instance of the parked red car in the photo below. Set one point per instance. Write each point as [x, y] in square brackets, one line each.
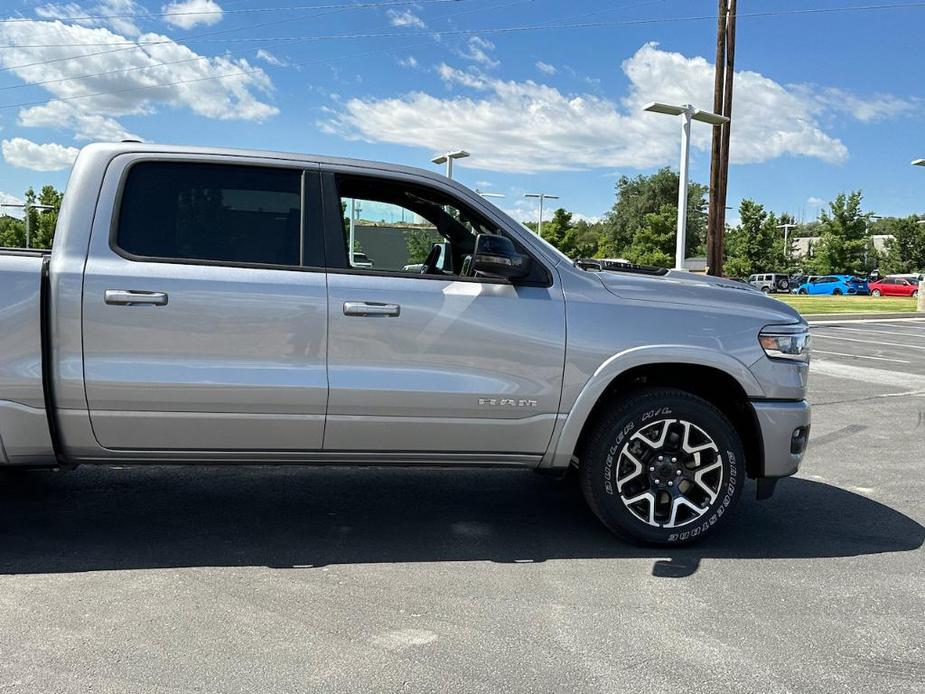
[894, 286]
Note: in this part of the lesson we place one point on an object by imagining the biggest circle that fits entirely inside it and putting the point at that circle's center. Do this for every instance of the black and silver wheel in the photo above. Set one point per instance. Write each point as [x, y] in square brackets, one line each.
[766, 289]
[836, 292]
[803, 292]
[665, 467]
[876, 292]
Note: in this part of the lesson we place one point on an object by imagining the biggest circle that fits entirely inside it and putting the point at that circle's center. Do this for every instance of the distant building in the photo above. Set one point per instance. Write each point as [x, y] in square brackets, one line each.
[803, 245]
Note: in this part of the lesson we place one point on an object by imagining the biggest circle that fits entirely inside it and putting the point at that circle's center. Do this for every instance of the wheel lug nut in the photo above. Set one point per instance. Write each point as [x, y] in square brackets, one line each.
[651, 469]
[661, 457]
[674, 460]
[677, 472]
[670, 483]
[658, 482]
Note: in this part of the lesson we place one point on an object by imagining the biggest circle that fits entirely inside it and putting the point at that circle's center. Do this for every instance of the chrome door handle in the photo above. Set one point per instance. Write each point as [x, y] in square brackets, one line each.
[370, 308]
[131, 297]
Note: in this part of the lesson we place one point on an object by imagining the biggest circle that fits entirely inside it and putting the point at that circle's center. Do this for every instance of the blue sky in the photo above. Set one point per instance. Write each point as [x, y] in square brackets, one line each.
[824, 102]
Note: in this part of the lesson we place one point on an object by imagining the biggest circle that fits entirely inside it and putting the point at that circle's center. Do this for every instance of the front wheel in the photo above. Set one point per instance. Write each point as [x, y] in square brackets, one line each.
[803, 292]
[837, 292]
[915, 294]
[876, 292]
[663, 467]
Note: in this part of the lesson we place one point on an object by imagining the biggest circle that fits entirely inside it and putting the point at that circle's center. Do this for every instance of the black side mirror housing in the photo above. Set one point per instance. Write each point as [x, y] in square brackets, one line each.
[496, 256]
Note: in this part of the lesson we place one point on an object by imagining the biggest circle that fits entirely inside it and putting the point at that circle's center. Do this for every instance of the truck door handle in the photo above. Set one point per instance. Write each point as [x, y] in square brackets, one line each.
[131, 297]
[370, 308]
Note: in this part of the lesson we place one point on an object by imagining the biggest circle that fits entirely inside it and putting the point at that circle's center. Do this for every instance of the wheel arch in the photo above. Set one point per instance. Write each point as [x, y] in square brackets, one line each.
[721, 380]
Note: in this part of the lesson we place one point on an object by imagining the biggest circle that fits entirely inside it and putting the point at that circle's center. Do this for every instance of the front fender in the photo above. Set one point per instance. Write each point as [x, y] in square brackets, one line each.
[560, 453]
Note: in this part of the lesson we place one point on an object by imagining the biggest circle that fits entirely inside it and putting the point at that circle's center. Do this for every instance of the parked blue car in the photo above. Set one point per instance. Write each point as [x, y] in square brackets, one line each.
[834, 284]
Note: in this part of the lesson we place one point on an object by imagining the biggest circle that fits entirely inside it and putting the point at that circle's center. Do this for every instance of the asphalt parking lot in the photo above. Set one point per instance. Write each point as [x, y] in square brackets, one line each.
[366, 580]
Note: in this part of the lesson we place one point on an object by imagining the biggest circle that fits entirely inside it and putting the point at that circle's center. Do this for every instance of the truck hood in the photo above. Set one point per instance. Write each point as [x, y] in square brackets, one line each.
[685, 288]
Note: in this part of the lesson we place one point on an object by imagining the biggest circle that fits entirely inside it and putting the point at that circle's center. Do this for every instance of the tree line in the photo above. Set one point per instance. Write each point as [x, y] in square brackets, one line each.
[640, 227]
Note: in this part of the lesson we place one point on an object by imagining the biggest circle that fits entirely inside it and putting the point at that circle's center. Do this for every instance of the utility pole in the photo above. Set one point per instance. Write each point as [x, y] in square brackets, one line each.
[542, 197]
[719, 151]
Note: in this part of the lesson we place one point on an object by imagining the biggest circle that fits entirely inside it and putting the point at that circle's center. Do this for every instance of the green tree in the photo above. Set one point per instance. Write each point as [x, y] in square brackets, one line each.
[12, 232]
[654, 242]
[656, 194]
[905, 252]
[753, 246]
[555, 229]
[843, 232]
[582, 240]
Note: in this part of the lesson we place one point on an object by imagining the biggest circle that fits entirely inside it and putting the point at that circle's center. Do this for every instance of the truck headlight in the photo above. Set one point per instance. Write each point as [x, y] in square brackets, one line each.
[786, 342]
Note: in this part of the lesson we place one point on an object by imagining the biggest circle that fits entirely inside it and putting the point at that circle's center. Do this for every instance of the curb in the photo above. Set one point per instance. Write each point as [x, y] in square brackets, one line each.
[837, 317]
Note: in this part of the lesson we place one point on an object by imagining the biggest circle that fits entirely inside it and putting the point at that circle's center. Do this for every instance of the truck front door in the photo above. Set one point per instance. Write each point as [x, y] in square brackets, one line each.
[425, 358]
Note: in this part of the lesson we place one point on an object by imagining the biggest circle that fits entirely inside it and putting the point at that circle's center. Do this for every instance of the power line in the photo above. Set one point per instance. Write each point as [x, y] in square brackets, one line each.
[194, 37]
[196, 13]
[202, 58]
[499, 30]
[243, 73]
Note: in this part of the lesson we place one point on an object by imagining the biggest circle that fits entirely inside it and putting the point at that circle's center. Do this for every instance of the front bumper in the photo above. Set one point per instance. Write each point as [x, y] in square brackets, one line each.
[784, 434]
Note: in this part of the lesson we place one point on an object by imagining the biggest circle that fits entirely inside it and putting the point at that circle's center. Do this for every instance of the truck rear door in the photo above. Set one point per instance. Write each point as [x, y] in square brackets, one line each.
[204, 308]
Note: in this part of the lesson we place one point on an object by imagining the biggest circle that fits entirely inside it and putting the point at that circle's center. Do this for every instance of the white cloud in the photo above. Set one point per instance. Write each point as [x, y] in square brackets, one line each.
[877, 108]
[546, 68]
[123, 81]
[527, 126]
[30, 155]
[405, 18]
[9, 199]
[813, 200]
[478, 50]
[66, 115]
[410, 61]
[269, 58]
[187, 13]
[71, 11]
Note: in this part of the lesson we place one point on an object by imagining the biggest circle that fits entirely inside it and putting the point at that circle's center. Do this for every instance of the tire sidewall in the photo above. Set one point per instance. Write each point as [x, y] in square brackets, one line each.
[602, 468]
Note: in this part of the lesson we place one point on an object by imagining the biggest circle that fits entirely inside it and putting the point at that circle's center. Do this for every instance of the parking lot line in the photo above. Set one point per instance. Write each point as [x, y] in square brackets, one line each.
[874, 330]
[861, 356]
[882, 377]
[916, 321]
[818, 336]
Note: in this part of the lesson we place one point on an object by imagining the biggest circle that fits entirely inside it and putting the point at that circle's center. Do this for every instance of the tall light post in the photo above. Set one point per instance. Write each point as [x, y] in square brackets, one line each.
[26, 207]
[448, 160]
[542, 198]
[787, 228]
[689, 113]
[489, 195]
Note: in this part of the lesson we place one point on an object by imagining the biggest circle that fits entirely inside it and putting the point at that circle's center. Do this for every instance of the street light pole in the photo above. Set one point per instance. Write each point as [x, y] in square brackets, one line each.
[689, 113]
[26, 207]
[542, 197]
[448, 160]
[489, 195]
[787, 228]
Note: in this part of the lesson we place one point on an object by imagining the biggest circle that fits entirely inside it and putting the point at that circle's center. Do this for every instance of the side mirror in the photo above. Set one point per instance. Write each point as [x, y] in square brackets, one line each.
[495, 256]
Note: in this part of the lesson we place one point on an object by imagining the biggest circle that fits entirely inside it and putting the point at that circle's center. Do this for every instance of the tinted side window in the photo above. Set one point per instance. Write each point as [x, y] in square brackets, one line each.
[238, 214]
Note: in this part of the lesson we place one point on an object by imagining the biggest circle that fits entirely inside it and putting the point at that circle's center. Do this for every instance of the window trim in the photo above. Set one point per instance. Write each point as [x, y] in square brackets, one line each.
[336, 252]
[311, 218]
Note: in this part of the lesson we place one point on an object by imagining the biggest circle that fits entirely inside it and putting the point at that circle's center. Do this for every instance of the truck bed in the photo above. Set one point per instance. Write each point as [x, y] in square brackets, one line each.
[25, 438]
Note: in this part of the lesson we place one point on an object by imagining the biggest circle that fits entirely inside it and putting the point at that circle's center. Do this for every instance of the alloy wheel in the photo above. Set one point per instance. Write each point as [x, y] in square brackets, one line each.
[669, 473]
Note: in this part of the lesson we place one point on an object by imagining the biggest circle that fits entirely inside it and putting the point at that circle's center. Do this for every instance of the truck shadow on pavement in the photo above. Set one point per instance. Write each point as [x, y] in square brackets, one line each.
[142, 518]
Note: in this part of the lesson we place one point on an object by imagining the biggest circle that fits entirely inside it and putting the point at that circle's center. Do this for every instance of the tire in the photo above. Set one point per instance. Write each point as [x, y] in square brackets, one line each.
[619, 464]
[876, 292]
[803, 292]
[783, 285]
[766, 289]
[915, 294]
[836, 292]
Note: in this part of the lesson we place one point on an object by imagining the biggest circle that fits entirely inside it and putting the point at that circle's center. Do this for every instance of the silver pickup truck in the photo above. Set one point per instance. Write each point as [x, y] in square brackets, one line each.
[200, 306]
